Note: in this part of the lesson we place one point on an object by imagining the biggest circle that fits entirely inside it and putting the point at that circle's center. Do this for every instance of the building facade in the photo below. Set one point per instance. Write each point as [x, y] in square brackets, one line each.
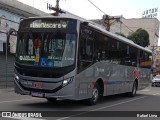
[128, 26]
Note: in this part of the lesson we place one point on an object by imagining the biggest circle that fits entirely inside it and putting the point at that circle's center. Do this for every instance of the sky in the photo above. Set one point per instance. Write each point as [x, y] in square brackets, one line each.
[83, 8]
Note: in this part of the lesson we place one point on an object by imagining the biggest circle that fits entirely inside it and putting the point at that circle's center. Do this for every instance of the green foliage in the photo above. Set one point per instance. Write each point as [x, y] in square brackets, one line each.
[140, 37]
[121, 34]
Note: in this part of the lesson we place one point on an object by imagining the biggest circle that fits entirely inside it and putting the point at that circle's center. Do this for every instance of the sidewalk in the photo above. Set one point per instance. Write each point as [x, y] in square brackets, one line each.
[5, 90]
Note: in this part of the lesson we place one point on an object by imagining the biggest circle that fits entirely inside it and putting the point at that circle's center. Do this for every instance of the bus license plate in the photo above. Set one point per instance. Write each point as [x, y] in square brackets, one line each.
[38, 85]
[37, 94]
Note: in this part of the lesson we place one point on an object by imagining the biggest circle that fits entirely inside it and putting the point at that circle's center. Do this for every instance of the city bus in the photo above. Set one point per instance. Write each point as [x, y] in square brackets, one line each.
[73, 59]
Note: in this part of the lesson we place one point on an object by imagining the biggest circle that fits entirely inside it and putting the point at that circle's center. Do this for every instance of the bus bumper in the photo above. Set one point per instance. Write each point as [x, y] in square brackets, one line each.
[66, 92]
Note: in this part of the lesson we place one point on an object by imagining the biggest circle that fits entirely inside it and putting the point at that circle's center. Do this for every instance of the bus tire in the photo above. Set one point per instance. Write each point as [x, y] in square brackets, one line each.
[95, 95]
[134, 90]
[153, 85]
[51, 99]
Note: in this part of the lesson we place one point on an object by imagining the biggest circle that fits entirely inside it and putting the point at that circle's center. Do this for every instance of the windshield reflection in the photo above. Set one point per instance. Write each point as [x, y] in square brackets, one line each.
[46, 49]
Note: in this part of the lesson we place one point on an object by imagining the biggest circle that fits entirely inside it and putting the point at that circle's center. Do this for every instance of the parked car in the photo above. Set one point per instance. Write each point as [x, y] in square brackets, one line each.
[156, 80]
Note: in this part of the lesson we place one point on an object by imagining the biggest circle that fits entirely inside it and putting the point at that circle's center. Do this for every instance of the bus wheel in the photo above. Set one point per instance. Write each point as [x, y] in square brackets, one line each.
[95, 95]
[51, 99]
[134, 90]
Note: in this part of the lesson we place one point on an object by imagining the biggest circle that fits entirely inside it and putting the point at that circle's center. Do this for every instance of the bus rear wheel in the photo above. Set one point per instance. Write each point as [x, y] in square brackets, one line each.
[95, 95]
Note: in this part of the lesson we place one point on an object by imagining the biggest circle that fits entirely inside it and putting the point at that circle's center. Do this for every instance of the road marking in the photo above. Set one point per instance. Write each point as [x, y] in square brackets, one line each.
[63, 118]
[156, 94]
[120, 103]
[145, 90]
[25, 118]
[17, 100]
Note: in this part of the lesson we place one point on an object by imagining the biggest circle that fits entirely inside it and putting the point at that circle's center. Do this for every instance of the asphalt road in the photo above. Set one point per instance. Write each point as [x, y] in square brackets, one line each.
[146, 105]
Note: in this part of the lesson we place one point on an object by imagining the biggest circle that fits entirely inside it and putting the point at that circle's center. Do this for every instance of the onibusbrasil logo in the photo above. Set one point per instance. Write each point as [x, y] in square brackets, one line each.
[22, 114]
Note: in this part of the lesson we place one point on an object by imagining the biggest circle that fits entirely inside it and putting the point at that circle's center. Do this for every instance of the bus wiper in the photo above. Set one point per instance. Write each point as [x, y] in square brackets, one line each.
[30, 34]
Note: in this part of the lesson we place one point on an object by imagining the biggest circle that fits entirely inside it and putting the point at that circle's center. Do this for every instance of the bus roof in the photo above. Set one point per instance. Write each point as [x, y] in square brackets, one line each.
[101, 28]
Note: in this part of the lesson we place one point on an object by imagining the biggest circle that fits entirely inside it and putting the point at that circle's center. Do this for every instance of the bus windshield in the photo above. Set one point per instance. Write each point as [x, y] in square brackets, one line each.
[46, 49]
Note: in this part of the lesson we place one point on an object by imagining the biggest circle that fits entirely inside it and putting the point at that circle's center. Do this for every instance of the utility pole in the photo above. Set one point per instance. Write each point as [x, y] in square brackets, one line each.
[106, 18]
[56, 9]
[109, 20]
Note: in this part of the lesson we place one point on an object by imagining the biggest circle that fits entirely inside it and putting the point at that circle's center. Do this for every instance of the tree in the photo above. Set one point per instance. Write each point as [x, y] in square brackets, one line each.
[140, 37]
[121, 34]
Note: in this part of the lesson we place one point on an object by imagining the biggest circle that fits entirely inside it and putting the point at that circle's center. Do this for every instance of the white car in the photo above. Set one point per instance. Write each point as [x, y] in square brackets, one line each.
[156, 81]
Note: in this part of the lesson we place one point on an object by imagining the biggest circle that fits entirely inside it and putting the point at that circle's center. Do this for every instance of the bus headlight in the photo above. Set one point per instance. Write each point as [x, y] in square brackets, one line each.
[67, 81]
[16, 77]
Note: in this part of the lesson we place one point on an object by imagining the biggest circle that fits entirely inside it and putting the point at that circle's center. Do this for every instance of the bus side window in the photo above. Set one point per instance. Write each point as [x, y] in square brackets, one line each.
[85, 49]
[128, 55]
[100, 48]
[145, 60]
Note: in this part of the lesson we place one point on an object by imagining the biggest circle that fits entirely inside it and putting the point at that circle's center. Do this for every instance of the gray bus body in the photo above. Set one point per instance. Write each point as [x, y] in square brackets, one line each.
[114, 65]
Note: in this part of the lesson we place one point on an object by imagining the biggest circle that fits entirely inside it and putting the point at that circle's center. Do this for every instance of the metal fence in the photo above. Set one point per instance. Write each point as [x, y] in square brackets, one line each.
[7, 58]
[6, 70]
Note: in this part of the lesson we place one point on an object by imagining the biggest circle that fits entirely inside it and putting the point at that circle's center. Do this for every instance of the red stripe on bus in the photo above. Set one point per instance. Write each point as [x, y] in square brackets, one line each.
[105, 83]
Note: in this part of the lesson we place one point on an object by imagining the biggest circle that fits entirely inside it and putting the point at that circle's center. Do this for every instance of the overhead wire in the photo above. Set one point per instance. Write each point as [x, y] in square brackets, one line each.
[105, 14]
[96, 7]
[126, 26]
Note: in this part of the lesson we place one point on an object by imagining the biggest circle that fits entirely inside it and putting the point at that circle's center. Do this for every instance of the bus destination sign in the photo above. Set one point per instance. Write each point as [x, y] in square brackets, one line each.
[62, 25]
